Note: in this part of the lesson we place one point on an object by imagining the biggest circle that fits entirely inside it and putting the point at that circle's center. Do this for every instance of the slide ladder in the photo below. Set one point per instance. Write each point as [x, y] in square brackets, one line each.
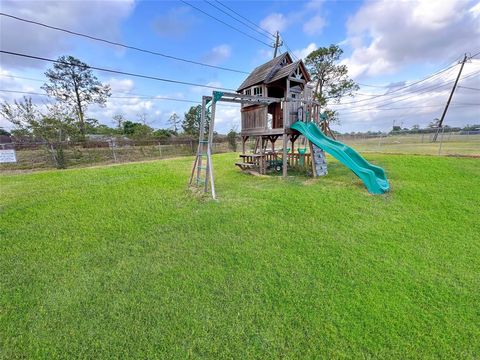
[372, 176]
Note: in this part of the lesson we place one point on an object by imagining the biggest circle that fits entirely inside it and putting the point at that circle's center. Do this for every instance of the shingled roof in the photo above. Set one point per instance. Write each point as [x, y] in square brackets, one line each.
[272, 71]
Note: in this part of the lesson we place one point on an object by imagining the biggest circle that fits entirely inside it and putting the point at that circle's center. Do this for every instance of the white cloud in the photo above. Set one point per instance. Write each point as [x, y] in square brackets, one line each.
[416, 104]
[274, 22]
[475, 10]
[218, 54]
[226, 117]
[386, 35]
[121, 85]
[101, 18]
[303, 53]
[314, 26]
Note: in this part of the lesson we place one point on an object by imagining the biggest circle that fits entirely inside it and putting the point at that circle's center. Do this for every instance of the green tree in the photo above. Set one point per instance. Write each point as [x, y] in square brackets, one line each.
[192, 120]
[4, 132]
[73, 83]
[137, 130]
[101, 129]
[163, 133]
[232, 139]
[53, 128]
[330, 78]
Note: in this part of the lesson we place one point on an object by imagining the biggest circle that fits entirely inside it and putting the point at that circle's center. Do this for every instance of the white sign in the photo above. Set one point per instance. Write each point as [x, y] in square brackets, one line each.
[8, 156]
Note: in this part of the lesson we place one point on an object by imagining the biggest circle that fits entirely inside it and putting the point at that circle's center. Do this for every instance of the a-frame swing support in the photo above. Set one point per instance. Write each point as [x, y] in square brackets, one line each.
[204, 150]
[202, 169]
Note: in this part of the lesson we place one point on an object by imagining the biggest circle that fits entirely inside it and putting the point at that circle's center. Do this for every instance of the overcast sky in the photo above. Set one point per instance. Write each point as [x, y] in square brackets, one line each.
[387, 44]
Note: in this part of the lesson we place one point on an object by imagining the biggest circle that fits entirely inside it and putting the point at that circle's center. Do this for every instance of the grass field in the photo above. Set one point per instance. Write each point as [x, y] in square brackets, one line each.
[123, 261]
[451, 144]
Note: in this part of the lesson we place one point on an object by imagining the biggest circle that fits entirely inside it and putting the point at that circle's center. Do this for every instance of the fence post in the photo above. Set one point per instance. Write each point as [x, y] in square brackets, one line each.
[112, 146]
[160, 148]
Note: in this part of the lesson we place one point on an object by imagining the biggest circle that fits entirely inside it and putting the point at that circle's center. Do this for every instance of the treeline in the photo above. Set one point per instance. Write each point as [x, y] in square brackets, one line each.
[415, 129]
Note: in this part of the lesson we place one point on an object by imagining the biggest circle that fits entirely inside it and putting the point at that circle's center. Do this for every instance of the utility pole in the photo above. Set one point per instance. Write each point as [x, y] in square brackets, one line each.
[278, 43]
[440, 123]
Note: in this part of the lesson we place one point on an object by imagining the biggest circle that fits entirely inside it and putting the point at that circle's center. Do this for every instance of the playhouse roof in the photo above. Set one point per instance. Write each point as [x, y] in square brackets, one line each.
[275, 69]
[288, 70]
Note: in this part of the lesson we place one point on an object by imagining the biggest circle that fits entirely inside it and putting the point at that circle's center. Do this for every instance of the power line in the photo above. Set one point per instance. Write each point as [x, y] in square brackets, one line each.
[469, 88]
[240, 21]
[403, 87]
[111, 97]
[472, 56]
[116, 71]
[122, 45]
[226, 24]
[379, 106]
[458, 58]
[415, 93]
[380, 86]
[23, 92]
[244, 18]
[21, 77]
[133, 96]
[412, 107]
[290, 51]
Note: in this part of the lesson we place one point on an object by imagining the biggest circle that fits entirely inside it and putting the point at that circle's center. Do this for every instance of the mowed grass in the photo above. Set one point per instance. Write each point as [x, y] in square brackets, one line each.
[450, 144]
[124, 261]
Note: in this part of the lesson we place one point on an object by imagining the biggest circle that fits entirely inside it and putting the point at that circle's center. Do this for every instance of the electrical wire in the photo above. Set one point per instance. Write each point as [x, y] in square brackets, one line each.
[380, 106]
[244, 18]
[469, 88]
[133, 96]
[290, 51]
[415, 93]
[21, 77]
[147, 97]
[226, 24]
[403, 87]
[115, 71]
[122, 45]
[240, 21]
[412, 107]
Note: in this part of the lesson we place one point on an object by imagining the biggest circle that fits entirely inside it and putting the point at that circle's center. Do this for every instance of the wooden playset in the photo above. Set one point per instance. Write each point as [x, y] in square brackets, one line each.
[276, 102]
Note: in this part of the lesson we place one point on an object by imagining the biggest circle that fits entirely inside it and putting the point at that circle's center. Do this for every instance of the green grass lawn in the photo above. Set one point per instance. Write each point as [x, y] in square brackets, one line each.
[123, 261]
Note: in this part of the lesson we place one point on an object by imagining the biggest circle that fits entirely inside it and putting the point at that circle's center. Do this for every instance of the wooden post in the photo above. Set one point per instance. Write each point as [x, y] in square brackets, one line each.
[244, 141]
[285, 139]
[277, 44]
[440, 123]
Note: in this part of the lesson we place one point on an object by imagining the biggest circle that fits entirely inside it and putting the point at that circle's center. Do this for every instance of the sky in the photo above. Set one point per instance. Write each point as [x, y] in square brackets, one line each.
[387, 45]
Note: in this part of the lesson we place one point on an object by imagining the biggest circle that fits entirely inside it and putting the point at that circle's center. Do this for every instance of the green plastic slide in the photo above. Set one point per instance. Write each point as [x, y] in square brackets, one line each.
[372, 176]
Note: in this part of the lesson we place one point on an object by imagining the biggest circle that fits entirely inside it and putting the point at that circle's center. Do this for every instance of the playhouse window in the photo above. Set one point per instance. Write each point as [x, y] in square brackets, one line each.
[257, 90]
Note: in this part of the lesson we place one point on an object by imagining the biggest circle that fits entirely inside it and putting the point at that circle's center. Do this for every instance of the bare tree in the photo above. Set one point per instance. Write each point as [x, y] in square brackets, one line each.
[175, 122]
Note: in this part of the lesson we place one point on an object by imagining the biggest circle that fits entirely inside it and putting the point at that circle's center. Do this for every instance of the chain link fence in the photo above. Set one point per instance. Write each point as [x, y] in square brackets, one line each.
[67, 154]
[463, 143]
[45, 156]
